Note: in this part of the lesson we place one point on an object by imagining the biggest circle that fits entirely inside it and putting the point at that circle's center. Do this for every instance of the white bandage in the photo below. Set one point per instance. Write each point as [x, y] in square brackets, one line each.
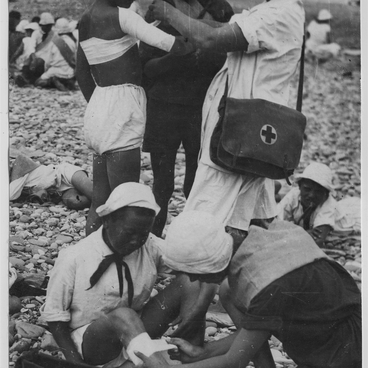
[134, 25]
[144, 344]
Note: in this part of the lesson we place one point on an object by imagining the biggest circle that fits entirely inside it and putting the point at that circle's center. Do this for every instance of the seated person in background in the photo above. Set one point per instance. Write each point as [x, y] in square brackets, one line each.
[103, 283]
[61, 60]
[39, 181]
[318, 40]
[15, 37]
[311, 205]
[43, 42]
[26, 48]
[279, 283]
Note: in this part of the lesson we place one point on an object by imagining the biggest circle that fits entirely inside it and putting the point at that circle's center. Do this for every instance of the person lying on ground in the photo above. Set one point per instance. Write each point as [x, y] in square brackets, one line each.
[279, 283]
[311, 204]
[60, 63]
[29, 178]
[109, 74]
[263, 48]
[99, 286]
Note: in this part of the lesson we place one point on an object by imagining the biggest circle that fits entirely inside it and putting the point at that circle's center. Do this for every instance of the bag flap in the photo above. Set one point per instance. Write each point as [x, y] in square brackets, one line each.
[268, 131]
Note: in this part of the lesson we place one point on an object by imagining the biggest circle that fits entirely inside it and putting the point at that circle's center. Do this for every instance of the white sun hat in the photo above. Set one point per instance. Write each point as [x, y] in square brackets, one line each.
[129, 194]
[34, 26]
[21, 27]
[62, 26]
[196, 242]
[46, 18]
[324, 14]
[319, 173]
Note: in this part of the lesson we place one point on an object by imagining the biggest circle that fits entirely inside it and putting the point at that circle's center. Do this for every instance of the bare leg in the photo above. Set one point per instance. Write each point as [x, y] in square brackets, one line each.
[109, 171]
[101, 191]
[163, 167]
[179, 298]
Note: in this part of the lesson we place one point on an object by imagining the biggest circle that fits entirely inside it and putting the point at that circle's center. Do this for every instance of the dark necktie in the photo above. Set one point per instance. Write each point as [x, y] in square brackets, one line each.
[105, 264]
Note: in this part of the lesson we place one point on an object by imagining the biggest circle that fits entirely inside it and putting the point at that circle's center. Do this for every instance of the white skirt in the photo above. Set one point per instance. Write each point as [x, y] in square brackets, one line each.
[115, 118]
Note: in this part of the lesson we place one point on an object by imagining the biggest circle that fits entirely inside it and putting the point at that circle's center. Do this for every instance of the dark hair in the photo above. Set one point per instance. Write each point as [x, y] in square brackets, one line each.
[36, 19]
[14, 14]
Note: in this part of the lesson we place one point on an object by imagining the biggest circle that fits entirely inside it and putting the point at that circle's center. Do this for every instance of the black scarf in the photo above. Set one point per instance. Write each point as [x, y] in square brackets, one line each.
[105, 264]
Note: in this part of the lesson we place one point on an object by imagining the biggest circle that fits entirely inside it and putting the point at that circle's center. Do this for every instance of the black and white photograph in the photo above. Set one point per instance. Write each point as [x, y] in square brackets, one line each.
[183, 183]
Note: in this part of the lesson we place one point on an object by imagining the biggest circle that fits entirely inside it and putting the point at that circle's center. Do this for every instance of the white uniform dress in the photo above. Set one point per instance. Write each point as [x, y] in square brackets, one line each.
[274, 31]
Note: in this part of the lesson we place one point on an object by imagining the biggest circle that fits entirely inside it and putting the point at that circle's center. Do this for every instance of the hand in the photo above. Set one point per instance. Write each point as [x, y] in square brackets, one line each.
[159, 9]
[154, 361]
[187, 352]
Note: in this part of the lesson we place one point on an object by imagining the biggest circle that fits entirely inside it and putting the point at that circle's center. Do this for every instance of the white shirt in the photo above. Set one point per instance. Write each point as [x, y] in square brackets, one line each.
[290, 209]
[28, 49]
[68, 299]
[274, 31]
[55, 64]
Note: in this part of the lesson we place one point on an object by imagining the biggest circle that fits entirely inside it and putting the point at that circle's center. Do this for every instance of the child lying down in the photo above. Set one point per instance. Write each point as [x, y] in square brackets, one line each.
[38, 182]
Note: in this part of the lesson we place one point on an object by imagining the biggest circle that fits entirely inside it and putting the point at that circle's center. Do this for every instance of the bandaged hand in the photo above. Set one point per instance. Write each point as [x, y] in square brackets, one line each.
[160, 9]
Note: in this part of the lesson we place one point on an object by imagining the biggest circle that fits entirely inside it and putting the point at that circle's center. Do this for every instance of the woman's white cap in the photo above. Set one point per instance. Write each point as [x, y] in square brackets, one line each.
[324, 14]
[46, 18]
[32, 25]
[129, 195]
[196, 242]
[21, 27]
[62, 26]
[319, 173]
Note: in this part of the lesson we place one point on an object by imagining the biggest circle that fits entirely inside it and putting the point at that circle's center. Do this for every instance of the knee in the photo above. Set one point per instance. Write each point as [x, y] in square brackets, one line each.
[127, 321]
[41, 83]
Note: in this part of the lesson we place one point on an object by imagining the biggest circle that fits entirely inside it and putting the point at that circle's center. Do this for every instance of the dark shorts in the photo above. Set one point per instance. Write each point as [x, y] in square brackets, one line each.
[168, 125]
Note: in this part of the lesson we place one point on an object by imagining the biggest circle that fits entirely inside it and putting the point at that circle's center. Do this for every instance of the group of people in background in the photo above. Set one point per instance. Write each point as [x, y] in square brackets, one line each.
[153, 79]
[42, 52]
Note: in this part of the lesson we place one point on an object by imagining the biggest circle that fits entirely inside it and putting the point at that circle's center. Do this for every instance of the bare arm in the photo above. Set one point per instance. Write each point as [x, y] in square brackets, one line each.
[319, 234]
[227, 38]
[84, 76]
[242, 349]
[61, 334]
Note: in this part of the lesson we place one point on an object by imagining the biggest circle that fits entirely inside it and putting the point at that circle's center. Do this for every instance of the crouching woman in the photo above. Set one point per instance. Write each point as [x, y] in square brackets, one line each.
[279, 283]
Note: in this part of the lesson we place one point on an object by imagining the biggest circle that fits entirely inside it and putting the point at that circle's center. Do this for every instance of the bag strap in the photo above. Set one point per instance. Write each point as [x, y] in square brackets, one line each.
[299, 101]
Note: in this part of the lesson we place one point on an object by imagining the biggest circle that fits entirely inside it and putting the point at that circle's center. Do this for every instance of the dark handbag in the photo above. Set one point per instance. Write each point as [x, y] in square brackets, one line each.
[259, 137]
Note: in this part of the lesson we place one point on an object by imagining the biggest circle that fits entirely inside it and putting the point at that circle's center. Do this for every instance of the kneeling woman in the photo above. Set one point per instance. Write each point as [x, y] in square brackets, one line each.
[109, 75]
[279, 283]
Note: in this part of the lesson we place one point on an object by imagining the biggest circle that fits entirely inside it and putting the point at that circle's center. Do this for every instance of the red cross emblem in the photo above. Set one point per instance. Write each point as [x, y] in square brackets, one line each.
[268, 134]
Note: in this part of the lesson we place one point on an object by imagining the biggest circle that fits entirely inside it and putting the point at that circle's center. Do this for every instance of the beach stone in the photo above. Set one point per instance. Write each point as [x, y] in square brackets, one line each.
[49, 343]
[353, 266]
[29, 330]
[16, 239]
[211, 331]
[15, 305]
[16, 262]
[62, 239]
[20, 346]
[25, 218]
[40, 243]
[52, 221]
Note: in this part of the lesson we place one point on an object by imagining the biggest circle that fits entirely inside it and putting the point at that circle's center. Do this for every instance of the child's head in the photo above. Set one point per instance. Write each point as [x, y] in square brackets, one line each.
[128, 216]
[315, 184]
[75, 200]
[196, 243]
